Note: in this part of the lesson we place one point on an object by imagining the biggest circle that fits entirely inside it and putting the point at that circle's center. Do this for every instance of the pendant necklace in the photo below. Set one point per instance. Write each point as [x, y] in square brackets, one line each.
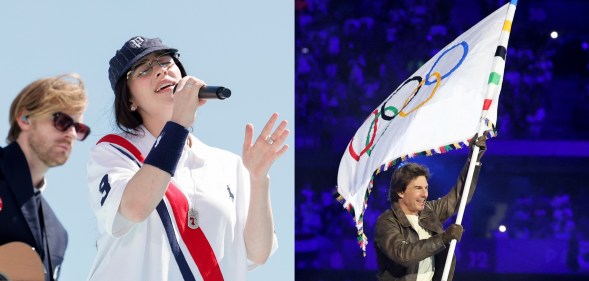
[193, 215]
[192, 218]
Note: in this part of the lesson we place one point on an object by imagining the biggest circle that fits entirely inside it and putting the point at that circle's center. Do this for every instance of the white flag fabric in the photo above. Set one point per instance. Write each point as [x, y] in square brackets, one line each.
[439, 108]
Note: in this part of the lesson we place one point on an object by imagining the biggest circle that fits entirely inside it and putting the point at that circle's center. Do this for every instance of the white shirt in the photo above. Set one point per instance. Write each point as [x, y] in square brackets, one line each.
[213, 180]
[425, 272]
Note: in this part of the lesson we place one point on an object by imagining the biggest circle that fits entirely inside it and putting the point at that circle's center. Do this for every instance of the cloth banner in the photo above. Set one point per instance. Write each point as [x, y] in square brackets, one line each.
[437, 109]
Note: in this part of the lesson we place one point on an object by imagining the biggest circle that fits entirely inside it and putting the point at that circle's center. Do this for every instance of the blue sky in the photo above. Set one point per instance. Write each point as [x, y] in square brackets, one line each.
[246, 46]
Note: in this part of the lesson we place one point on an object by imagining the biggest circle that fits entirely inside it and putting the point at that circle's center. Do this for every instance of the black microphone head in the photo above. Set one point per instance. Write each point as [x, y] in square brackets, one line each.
[223, 93]
[211, 92]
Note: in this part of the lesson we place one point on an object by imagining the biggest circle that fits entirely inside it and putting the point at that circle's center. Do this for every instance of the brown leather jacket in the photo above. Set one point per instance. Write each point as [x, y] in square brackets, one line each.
[398, 248]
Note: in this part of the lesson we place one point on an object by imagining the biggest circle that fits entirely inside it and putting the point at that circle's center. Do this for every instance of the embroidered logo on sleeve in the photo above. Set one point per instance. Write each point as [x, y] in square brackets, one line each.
[230, 193]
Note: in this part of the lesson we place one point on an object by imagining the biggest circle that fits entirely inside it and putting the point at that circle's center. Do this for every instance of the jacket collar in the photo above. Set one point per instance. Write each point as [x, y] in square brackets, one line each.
[427, 211]
[401, 217]
[15, 168]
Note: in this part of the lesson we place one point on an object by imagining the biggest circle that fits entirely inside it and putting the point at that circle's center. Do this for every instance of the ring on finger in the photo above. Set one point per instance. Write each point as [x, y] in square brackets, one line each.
[270, 140]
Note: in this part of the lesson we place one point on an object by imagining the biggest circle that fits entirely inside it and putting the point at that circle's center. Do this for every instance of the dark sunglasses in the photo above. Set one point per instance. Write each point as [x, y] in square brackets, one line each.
[62, 122]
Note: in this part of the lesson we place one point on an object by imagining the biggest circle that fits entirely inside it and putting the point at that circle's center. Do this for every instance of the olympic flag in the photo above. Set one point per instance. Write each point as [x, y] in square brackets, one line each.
[439, 108]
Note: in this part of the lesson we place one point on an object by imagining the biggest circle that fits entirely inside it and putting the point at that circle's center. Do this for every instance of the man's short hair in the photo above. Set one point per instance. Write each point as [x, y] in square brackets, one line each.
[403, 175]
[45, 97]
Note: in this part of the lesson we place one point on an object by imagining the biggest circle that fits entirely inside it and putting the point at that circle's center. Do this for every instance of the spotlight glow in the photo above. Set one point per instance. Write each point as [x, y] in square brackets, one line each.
[502, 228]
[553, 34]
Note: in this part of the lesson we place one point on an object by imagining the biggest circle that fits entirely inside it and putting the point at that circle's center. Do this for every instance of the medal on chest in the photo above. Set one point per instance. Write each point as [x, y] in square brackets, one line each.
[192, 218]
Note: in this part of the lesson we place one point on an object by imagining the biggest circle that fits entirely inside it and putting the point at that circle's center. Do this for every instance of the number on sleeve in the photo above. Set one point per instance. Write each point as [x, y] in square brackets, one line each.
[104, 188]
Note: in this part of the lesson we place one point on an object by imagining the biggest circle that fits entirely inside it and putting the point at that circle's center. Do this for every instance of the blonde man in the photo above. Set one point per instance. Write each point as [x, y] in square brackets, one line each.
[45, 120]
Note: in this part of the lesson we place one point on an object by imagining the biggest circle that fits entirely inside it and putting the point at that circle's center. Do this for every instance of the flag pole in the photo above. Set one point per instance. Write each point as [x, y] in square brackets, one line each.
[466, 189]
[494, 87]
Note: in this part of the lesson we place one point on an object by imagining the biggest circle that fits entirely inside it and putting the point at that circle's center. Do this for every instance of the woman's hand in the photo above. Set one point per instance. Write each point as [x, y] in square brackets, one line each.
[259, 157]
[186, 100]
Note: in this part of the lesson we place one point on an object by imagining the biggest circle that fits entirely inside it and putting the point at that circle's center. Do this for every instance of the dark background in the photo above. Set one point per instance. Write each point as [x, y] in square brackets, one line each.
[350, 55]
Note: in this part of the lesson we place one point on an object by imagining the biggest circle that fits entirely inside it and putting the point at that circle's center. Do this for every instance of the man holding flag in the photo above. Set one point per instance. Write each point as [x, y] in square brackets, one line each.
[409, 238]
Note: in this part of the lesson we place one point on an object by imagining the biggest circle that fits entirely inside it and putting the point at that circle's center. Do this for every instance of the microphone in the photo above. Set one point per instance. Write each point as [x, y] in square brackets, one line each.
[212, 92]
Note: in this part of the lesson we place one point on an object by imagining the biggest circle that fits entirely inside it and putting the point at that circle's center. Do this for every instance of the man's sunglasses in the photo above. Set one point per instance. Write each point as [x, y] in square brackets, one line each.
[62, 122]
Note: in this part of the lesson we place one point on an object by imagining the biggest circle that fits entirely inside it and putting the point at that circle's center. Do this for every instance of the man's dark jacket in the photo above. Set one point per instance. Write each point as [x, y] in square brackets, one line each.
[19, 210]
[398, 248]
